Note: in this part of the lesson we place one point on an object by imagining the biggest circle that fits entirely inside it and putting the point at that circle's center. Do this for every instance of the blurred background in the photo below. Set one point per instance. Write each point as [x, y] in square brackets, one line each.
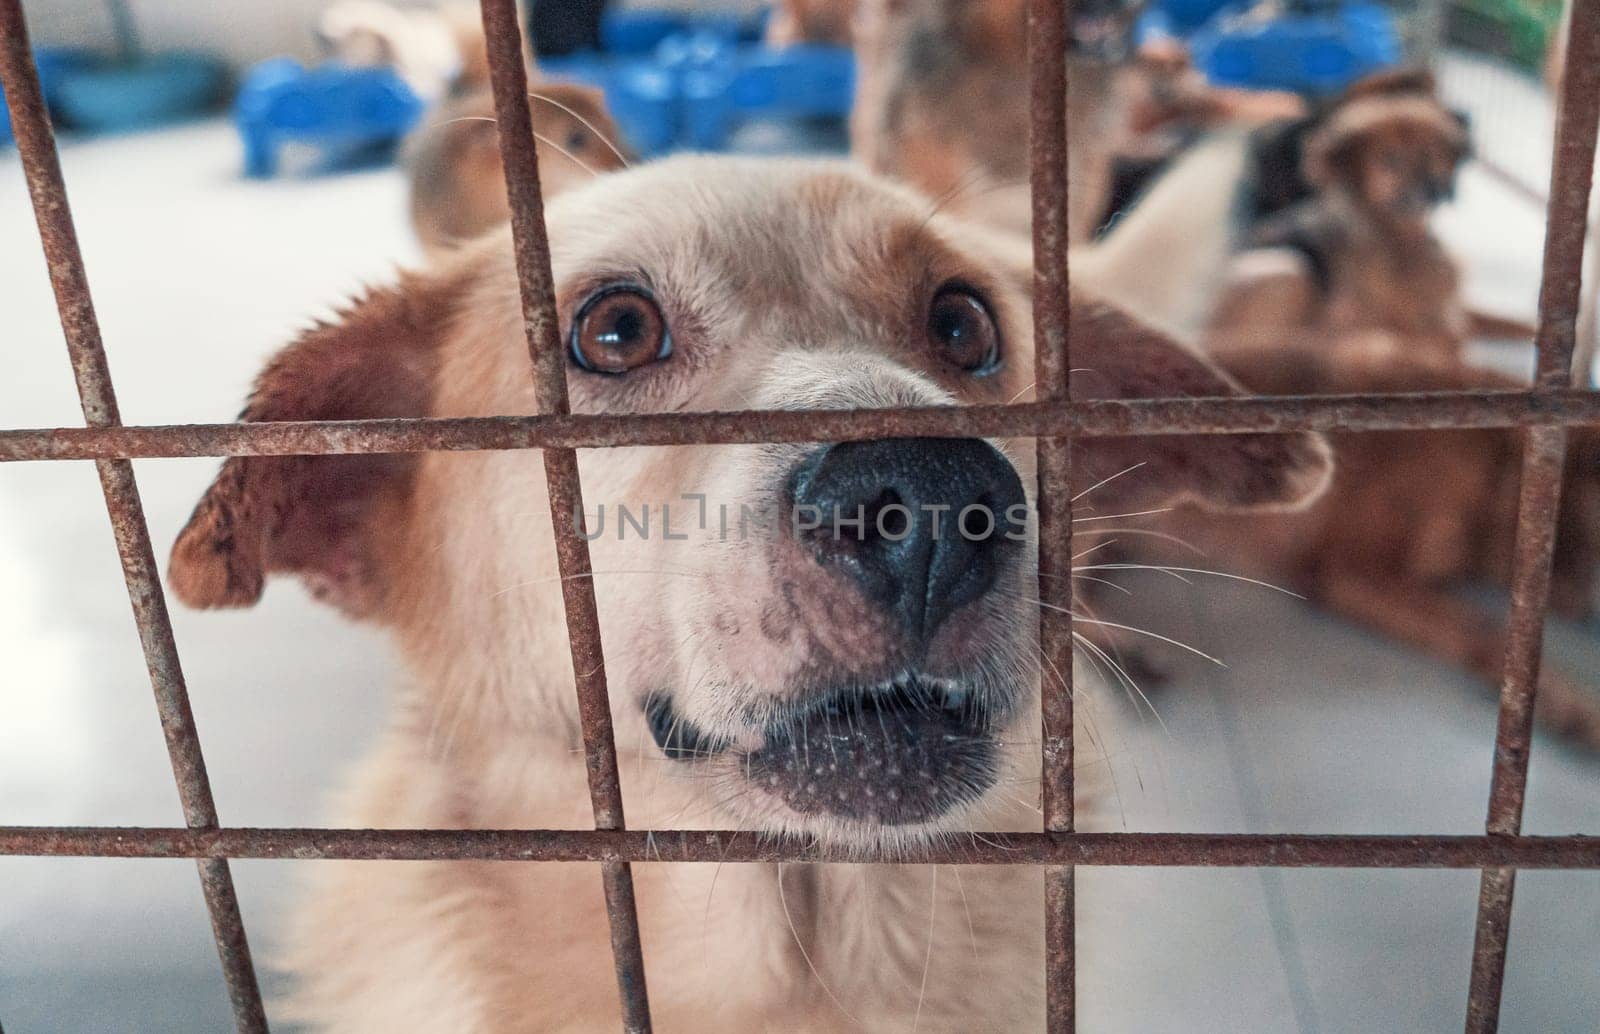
[238, 168]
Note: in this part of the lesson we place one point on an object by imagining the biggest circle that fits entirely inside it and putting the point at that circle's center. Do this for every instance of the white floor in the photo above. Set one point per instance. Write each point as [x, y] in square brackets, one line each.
[198, 276]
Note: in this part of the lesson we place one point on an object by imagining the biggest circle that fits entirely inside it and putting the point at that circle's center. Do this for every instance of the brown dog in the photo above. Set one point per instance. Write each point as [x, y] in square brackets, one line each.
[1414, 517]
[1359, 254]
[942, 103]
[458, 188]
[867, 690]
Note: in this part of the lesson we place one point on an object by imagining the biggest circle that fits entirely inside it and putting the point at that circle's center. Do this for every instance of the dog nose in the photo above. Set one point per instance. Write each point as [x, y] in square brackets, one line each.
[922, 524]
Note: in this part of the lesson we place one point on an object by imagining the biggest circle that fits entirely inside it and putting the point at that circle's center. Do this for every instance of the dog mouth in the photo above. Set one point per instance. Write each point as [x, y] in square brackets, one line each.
[901, 752]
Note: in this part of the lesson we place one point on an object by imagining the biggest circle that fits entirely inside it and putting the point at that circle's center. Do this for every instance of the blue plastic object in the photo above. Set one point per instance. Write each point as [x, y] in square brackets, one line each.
[143, 92]
[695, 87]
[53, 64]
[1315, 49]
[637, 33]
[329, 106]
[1179, 17]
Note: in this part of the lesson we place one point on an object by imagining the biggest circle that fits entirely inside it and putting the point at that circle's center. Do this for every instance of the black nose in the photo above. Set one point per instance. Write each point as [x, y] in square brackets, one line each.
[923, 524]
[1438, 190]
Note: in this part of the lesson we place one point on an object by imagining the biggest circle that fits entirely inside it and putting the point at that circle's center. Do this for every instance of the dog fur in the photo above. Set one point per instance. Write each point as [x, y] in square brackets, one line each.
[785, 284]
[1414, 518]
[457, 185]
[942, 104]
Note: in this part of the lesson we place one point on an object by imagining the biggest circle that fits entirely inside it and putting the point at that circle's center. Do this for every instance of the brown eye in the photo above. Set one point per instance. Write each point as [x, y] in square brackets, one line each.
[617, 329]
[961, 329]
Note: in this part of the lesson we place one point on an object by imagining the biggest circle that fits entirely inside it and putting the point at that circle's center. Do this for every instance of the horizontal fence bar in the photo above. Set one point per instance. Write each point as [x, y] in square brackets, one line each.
[1094, 419]
[1286, 850]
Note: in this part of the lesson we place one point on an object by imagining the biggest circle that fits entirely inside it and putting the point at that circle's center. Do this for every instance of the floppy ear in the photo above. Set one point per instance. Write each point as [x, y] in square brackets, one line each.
[328, 519]
[1330, 153]
[1115, 356]
[1391, 82]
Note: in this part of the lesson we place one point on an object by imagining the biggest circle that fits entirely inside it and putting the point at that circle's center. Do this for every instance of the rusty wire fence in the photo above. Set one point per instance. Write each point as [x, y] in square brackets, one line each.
[1546, 409]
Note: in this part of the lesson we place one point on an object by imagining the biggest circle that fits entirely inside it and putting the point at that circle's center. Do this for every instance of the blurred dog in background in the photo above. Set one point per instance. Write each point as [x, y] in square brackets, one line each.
[1359, 253]
[942, 102]
[812, 21]
[457, 182]
[1416, 519]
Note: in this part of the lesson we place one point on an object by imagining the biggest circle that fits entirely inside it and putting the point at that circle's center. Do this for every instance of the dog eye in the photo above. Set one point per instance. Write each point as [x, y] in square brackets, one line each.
[617, 329]
[961, 328]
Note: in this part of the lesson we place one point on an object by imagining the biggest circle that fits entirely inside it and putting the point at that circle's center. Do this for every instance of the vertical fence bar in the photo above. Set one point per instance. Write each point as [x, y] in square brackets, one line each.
[47, 189]
[1543, 461]
[1047, 64]
[509, 80]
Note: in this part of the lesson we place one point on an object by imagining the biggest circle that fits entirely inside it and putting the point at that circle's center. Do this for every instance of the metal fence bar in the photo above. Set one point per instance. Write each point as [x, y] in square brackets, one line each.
[1572, 170]
[1090, 419]
[47, 189]
[1547, 410]
[509, 81]
[1228, 850]
[1047, 69]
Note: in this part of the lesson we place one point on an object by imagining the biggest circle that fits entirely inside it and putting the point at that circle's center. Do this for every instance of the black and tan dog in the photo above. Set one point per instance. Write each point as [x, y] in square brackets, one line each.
[1359, 253]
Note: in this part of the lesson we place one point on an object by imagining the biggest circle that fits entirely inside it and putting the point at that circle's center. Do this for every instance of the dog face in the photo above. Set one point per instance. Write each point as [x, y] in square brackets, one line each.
[1397, 155]
[837, 640]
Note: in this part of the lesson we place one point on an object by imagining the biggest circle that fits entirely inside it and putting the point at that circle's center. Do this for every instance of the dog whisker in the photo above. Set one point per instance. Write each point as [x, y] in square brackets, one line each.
[1091, 726]
[1135, 693]
[1091, 549]
[927, 958]
[568, 155]
[966, 906]
[1102, 581]
[590, 126]
[783, 900]
[1165, 569]
[1116, 516]
[1107, 480]
[1146, 533]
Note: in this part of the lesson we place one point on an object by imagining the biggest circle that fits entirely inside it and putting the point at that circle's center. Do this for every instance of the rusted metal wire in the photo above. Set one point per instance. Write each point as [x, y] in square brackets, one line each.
[1047, 66]
[1560, 293]
[1549, 409]
[1227, 850]
[47, 189]
[1090, 419]
[520, 157]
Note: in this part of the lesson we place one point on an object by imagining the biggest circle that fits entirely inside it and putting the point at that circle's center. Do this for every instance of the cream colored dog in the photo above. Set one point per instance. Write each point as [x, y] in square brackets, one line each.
[872, 689]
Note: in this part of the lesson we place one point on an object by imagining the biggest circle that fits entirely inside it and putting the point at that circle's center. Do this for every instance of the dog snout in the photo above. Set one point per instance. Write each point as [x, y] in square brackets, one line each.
[922, 525]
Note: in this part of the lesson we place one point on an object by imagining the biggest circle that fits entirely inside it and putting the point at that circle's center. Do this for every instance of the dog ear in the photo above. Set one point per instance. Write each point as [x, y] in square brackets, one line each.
[327, 519]
[1115, 356]
[1392, 82]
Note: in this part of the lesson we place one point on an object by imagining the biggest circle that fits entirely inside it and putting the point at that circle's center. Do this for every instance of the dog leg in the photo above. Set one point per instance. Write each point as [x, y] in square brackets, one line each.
[1492, 327]
[1461, 635]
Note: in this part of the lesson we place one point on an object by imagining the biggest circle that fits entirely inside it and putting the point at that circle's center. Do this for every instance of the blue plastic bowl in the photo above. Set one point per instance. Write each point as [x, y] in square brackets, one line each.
[53, 63]
[153, 90]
